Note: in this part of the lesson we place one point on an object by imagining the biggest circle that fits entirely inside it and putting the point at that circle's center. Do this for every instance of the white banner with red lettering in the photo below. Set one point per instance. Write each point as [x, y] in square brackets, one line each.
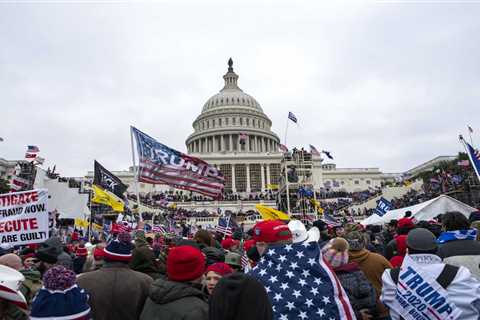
[24, 217]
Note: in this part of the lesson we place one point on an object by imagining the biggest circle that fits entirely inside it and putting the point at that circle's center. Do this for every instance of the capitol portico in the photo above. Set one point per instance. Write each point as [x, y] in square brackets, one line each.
[233, 133]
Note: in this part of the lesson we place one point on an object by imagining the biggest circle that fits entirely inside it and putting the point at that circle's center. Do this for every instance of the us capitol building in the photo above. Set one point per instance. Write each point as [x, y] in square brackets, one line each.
[233, 133]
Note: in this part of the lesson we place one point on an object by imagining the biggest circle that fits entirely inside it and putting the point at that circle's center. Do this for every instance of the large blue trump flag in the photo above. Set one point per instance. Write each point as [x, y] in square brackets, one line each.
[159, 164]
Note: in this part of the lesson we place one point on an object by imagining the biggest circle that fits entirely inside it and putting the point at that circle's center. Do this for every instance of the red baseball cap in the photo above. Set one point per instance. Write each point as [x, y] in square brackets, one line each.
[228, 243]
[271, 231]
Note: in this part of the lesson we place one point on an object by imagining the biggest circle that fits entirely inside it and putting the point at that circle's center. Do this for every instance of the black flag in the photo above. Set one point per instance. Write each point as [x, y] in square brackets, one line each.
[108, 181]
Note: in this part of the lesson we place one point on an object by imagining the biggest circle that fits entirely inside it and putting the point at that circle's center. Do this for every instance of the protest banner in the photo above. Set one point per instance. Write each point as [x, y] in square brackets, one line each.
[24, 217]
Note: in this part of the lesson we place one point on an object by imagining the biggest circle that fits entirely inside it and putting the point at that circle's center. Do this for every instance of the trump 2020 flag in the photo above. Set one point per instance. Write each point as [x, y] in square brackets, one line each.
[301, 285]
[474, 156]
[107, 180]
[383, 206]
[159, 164]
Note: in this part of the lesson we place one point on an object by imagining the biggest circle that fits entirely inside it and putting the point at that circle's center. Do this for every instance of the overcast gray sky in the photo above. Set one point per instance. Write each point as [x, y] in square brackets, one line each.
[380, 84]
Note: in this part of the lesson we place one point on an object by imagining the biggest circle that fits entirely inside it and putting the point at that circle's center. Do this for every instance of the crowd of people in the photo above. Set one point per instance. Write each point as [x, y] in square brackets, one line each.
[234, 275]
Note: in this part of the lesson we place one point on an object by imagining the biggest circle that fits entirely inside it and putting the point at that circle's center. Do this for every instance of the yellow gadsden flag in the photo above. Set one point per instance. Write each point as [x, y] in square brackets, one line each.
[268, 213]
[81, 223]
[107, 198]
[271, 186]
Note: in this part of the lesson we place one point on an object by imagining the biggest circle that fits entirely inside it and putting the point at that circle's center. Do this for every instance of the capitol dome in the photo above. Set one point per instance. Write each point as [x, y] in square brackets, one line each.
[232, 121]
[231, 94]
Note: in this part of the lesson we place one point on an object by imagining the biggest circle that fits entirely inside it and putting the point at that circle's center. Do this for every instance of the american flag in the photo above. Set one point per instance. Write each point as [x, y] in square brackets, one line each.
[283, 147]
[301, 285]
[159, 229]
[224, 226]
[243, 136]
[160, 164]
[329, 220]
[33, 149]
[245, 262]
[463, 163]
[314, 151]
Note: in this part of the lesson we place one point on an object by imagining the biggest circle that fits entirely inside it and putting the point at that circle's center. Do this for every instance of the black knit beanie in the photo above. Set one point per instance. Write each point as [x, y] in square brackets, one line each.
[239, 297]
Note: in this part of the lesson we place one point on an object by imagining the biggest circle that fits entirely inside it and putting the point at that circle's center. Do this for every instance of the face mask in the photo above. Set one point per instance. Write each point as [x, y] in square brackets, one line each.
[253, 254]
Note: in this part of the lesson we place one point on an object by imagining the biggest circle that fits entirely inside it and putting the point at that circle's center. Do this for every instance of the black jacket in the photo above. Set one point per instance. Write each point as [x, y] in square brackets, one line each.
[174, 301]
[459, 248]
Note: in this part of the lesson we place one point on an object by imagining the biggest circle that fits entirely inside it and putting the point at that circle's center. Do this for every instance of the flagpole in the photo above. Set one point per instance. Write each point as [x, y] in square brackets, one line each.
[470, 157]
[286, 130]
[470, 134]
[136, 175]
[91, 215]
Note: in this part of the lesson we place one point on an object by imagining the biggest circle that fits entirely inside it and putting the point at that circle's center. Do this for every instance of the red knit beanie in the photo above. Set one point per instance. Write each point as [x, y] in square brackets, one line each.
[185, 263]
[221, 268]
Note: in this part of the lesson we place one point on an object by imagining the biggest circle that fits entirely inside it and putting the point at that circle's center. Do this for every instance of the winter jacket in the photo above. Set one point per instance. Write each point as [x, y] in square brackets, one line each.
[464, 253]
[116, 291]
[31, 285]
[174, 301]
[359, 290]
[463, 291]
[372, 265]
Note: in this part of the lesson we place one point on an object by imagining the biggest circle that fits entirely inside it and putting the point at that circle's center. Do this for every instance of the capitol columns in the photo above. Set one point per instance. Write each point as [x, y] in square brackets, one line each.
[248, 177]
[262, 175]
[268, 173]
[222, 143]
[230, 145]
[234, 188]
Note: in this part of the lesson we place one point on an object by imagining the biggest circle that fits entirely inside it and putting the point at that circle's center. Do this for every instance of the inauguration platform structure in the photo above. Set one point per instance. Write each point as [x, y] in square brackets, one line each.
[296, 195]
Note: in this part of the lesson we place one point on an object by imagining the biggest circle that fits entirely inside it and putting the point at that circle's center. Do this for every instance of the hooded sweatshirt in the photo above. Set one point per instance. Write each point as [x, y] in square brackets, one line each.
[174, 301]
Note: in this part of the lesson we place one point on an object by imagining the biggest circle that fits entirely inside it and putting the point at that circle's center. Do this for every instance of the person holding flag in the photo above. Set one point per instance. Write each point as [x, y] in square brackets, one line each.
[298, 281]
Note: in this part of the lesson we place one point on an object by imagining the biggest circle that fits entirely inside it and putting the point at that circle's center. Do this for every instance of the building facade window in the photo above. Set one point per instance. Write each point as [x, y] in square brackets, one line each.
[255, 177]
[356, 182]
[226, 170]
[240, 177]
[275, 173]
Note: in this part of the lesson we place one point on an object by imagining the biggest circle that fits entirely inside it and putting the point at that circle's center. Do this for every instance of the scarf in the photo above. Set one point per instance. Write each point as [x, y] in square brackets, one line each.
[470, 234]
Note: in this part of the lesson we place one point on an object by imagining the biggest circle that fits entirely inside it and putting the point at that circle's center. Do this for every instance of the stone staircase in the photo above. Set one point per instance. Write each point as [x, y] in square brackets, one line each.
[388, 193]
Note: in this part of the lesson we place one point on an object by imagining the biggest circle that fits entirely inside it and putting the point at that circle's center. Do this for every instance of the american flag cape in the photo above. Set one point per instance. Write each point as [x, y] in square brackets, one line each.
[301, 285]
[159, 164]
